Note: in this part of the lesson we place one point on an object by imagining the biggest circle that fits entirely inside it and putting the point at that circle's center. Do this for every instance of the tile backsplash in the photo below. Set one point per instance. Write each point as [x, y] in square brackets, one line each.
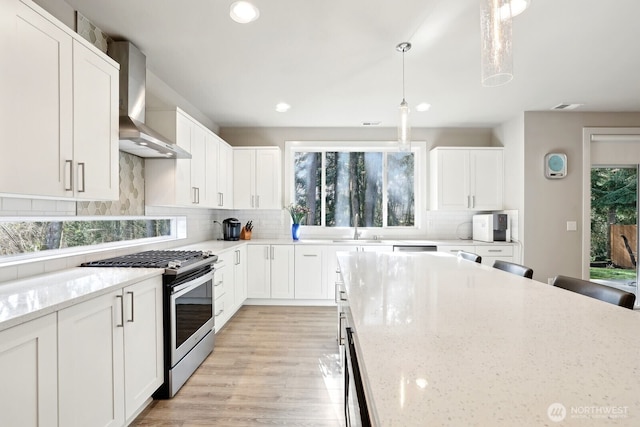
[131, 201]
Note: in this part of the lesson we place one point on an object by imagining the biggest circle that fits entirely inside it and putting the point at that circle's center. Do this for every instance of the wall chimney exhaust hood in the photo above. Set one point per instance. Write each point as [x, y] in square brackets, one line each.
[136, 137]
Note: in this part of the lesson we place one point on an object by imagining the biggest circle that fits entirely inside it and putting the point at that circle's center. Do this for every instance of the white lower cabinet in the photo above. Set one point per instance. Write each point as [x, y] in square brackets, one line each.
[110, 355]
[230, 285]
[223, 289]
[489, 251]
[310, 282]
[454, 249]
[492, 253]
[240, 277]
[143, 343]
[271, 271]
[28, 359]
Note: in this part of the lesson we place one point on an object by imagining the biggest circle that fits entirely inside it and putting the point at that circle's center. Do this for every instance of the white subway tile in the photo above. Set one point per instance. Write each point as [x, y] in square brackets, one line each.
[11, 204]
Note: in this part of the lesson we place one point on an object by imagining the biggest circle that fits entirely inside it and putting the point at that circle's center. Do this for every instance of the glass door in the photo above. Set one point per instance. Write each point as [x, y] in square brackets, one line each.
[614, 226]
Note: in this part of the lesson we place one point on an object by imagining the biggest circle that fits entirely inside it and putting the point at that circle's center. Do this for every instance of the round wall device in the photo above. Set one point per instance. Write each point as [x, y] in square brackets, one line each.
[555, 165]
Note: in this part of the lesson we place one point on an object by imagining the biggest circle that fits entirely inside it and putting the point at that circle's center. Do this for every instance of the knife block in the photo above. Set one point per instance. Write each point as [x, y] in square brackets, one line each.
[244, 234]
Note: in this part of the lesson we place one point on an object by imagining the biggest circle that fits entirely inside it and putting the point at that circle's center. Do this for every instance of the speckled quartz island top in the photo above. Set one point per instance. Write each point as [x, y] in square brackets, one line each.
[443, 341]
[27, 299]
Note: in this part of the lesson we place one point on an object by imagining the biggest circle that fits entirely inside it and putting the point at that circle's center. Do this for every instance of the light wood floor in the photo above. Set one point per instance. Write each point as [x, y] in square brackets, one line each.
[270, 366]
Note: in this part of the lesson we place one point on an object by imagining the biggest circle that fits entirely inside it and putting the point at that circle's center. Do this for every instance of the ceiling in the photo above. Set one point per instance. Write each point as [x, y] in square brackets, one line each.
[335, 62]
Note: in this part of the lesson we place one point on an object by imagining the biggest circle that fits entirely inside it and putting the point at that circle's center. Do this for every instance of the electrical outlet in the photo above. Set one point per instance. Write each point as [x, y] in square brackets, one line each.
[572, 225]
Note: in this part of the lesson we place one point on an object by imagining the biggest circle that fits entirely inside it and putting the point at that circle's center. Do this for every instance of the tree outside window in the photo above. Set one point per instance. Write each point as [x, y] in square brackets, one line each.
[356, 184]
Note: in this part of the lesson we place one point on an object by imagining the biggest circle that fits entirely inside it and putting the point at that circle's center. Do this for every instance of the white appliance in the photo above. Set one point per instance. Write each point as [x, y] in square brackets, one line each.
[491, 228]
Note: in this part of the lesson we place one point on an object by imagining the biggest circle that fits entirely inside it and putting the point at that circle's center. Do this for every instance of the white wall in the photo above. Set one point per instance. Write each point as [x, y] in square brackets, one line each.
[276, 136]
[549, 204]
[511, 136]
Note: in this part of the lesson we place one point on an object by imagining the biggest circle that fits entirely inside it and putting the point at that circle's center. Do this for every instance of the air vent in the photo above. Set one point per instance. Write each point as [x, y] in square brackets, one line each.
[564, 106]
[370, 123]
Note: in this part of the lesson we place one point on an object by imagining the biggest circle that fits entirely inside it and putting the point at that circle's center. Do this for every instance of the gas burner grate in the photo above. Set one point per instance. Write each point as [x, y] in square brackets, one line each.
[147, 259]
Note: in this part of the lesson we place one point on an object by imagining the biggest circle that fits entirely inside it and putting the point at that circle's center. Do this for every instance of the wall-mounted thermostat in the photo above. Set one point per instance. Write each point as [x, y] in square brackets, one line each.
[555, 165]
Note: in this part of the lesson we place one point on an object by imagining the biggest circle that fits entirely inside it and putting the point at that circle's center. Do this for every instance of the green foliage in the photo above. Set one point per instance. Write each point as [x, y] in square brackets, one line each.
[353, 184]
[613, 201]
[27, 236]
[612, 273]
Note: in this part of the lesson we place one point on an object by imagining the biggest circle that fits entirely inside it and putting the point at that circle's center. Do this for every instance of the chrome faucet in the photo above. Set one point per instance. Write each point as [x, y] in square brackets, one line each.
[356, 234]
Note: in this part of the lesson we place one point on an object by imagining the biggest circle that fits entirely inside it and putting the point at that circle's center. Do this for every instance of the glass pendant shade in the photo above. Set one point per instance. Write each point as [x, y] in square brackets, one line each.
[496, 35]
[404, 128]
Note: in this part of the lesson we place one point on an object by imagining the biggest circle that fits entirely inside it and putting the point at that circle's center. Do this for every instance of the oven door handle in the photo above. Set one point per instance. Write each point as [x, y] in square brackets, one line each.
[186, 287]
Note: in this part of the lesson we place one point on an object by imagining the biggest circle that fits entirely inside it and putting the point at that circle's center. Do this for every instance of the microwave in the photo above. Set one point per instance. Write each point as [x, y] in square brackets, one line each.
[491, 228]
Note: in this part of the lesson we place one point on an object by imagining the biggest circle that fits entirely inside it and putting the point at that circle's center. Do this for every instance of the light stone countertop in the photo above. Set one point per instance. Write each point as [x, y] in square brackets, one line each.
[27, 299]
[448, 342]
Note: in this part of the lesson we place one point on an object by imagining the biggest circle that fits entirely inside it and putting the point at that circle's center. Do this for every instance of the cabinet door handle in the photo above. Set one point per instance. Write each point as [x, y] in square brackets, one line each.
[198, 193]
[473, 201]
[266, 252]
[81, 165]
[220, 312]
[310, 255]
[273, 253]
[258, 202]
[341, 319]
[219, 199]
[252, 200]
[338, 293]
[132, 309]
[70, 163]
[237, 257]
[121, 325]
[495, 250]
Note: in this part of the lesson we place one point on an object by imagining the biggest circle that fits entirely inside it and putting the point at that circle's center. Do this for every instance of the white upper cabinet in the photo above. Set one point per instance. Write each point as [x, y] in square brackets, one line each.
[59, 110]
[219, 180]
[466, 178]
[257, 178]
[95, 126]
[198, 182]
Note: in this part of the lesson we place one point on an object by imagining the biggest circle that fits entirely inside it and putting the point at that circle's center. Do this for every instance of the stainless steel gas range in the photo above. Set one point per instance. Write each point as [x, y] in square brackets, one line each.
[189, 333]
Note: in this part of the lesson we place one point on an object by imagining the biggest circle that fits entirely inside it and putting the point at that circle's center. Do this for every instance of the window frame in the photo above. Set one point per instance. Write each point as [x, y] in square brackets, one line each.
[419, 150]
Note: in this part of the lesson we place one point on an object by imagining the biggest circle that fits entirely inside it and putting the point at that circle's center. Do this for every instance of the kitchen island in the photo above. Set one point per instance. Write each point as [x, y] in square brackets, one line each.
[444, 341]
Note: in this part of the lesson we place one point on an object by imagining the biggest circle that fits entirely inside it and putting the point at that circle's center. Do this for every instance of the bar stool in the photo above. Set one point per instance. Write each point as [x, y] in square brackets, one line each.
[470, 256]
[513, 268]
[596, 290]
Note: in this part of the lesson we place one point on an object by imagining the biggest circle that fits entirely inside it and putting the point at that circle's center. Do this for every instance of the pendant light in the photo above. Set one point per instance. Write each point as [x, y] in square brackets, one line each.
[495, 28]
[404, 128]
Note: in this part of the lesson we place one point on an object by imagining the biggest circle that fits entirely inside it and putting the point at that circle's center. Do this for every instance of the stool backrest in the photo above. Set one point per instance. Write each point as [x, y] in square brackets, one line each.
[514, 268]
[596, 290]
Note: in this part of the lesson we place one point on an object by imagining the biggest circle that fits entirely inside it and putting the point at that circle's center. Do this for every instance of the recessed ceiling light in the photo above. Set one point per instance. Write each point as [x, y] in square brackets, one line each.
[282, 107]
[423, 106]
[243, 12]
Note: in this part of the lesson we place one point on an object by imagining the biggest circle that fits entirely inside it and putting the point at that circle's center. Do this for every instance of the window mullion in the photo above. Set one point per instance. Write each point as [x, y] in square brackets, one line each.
[384, 189]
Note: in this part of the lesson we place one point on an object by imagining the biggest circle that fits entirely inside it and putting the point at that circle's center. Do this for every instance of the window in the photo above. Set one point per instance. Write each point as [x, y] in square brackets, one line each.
[375, 185]
[20, 237]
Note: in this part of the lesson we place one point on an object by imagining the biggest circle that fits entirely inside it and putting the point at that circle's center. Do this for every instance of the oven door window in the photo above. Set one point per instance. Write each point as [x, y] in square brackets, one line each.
[193, 310]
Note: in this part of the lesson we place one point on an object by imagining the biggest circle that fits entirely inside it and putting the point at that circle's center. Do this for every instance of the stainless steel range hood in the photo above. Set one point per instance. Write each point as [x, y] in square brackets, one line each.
[135, 137]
